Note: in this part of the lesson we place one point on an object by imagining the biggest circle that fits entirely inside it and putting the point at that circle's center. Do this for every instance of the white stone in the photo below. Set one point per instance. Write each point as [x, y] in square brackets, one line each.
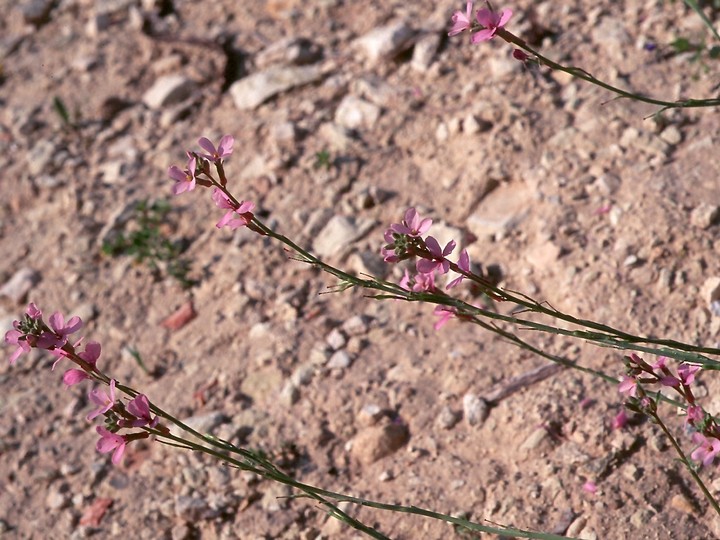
[355, 113]
[169, 90]
[424, 52]
[252, 91]
[386, 41]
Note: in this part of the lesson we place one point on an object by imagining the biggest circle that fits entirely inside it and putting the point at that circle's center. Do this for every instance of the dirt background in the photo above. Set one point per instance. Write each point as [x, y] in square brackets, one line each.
[574, 198]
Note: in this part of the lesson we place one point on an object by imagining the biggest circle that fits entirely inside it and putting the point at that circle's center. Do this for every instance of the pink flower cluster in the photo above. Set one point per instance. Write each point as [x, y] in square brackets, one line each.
[489, 20]
[197, 171]
[404, 241]
[706, 432]
[33, 332]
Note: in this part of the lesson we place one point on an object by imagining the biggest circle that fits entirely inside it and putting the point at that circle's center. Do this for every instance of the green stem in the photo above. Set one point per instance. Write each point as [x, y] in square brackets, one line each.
[686, 462]
[321, 494]
[580, 73]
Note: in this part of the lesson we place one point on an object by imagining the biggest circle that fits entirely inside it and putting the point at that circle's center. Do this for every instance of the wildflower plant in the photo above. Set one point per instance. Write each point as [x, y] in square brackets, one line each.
[126, 415]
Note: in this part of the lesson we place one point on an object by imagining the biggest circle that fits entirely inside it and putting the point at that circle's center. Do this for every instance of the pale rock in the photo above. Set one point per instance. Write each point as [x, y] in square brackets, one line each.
[576, 526]
[426, 48]
[442, 133]
[447, 418]
[356, 113]
[338, 234]
[631, 260]
[169, 90]
[368, 262]
[542, 256]
[682, 504]
[290, 394]
[356, 325]
[453, 126]
[284, 133]
[535, 439]
[37, 12]
[502, 210]
[710, 290]
[376, 442]
[705, 215]
[57, 498]
[610, 35]
[289, 51]
[40, 157]
[277, 497]
[370, 415]
[471, 125]
[376, 90]
[386, 41]
[193, 509]
[204, 423]
[113, 171]
[671, 135]
[262, 384]
[475, 409]
[253, 90]
[303, 374]
[500, 66]
[338, 137]
[385, 476]
[339, 360]
[18, 286]
[336, 339]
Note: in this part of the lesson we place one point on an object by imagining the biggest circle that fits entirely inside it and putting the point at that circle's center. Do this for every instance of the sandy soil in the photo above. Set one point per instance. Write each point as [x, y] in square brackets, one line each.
[588, 203]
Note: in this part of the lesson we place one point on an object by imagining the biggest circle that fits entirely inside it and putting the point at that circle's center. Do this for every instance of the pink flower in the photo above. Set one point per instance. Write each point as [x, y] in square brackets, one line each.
[519, 54]
[492, 22]
[412, 225]
[33, 311]
[102, 400]
[464, 264]
[60, 331]
[660, 365]
[15, 337]
[461, 21]
[237, 218]
[628, 386]
[221, 200]
[438, 262]
[185, 180]
[708, 449]
[140, 409]
[419, 283]
[590, 487]
[445, 313]
[695, 415]
[110, 441]
[620, 420]
[224, 149]
[244, 211]
[687, 373]
[74, 376]
[388, 251]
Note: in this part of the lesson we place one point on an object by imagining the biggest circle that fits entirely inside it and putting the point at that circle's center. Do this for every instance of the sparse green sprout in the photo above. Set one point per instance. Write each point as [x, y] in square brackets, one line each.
[148, 244]
[322, 159]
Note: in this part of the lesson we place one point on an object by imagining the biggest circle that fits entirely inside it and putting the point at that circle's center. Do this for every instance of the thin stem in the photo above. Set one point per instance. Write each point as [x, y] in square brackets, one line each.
[580, 73]
[320, 495]
[686, 461]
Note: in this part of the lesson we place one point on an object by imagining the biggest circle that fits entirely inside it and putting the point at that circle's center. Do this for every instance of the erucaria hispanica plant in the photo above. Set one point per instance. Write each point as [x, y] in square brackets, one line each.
[130, 415]
[487, 23]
